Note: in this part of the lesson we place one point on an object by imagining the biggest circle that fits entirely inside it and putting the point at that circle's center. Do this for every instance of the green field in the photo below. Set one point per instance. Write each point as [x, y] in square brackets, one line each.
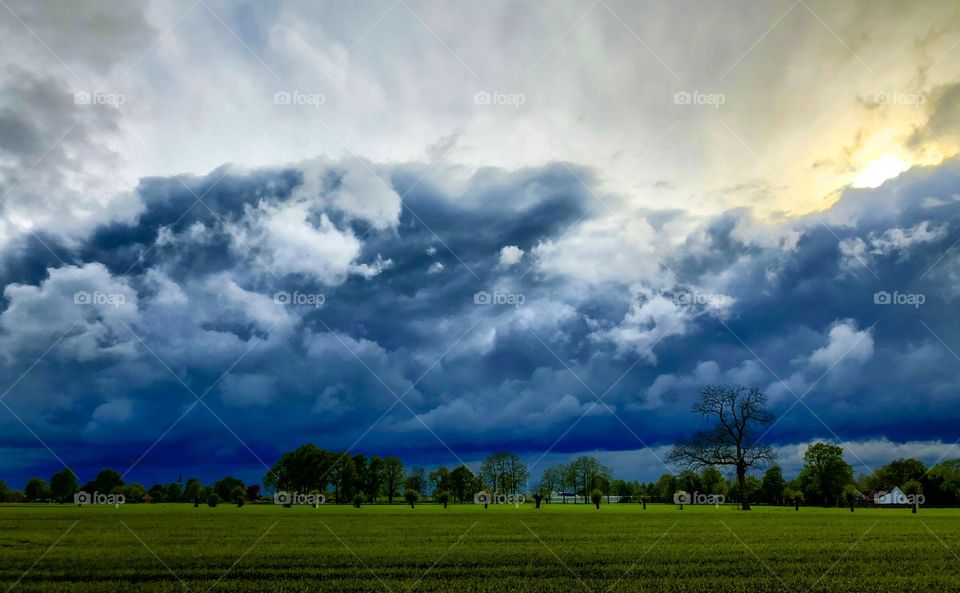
[396, 549]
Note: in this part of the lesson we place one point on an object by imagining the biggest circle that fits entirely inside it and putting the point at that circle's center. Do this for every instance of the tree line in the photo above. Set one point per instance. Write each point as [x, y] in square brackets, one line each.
[731, 443]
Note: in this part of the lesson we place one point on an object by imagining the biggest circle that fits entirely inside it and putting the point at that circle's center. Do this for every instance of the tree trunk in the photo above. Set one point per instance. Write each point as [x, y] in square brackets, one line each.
[742, 484]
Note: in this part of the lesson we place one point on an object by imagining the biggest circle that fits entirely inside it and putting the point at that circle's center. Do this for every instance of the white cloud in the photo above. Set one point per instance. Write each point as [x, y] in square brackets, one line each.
[88, 306]
[845, 343]
[650, 319]
[510, 255]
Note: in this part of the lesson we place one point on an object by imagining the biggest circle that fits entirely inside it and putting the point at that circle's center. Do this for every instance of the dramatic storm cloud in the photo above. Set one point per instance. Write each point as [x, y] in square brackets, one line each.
[228, 229]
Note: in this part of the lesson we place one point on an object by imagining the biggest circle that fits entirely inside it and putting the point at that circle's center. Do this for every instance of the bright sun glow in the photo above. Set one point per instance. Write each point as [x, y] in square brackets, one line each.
[879, 170]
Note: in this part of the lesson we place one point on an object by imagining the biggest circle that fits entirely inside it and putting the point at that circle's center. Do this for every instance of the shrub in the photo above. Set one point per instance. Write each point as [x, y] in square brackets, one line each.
[213, 500]
[411, 497]
[443, 498]
[358, 499]
[595, 497]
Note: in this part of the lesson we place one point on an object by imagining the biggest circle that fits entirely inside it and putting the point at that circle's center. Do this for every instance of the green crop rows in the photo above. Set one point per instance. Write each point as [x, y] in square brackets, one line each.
[396, 549]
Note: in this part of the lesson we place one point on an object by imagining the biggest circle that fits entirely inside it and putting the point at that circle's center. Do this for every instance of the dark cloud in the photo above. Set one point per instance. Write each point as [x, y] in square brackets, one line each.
[199, 282]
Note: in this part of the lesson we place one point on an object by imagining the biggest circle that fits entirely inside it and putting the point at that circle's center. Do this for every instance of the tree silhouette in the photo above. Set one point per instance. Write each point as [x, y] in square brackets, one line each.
[731, 442]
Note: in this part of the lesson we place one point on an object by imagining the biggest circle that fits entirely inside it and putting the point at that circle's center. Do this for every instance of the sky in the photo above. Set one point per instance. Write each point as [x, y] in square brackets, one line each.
[442, 229]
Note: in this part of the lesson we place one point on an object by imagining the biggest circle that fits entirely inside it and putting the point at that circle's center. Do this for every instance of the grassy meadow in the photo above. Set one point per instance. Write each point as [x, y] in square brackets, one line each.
[395, 549]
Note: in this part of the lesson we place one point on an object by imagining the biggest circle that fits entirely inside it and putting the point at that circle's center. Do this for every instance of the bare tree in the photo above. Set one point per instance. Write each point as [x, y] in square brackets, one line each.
[738, 413]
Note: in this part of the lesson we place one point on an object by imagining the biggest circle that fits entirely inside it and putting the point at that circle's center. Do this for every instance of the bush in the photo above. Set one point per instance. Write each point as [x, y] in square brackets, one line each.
[595, 497]
[443, 498]
[358, 499]
[411, 497]
[213, 500]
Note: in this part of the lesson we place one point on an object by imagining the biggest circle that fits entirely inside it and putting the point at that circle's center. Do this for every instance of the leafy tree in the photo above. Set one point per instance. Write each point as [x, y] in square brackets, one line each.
[850, 494]
[36, 489]
[358, 499]
[106, 481]
[374, 480]
[238, 495]
[771, 488]
[914, 489]
[739, 413]
[134, 492]
[159, 493]
[824, 473]
[193, 490]
[393, 473]
[439, 479]
[942, 482]
[213, 500]
[504, 472]
[417, 480]
[713, 482]
[411, 497]
[443, 497]
[63, 485]
[665, 488]
[461, 483]
[4, 491]
[174, 492]
[585, 472]
[552, 480]
[689, 481]
[253, 492]
[225, 488]
[896, 473]
[595, 497]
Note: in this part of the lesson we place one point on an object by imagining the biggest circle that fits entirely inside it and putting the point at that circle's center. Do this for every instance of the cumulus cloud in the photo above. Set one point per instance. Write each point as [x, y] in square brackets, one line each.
[650, 319]
[510, 255]
[844, 343]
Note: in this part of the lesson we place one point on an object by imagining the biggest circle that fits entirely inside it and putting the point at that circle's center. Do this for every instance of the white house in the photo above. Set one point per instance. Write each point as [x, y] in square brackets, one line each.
[895, 496]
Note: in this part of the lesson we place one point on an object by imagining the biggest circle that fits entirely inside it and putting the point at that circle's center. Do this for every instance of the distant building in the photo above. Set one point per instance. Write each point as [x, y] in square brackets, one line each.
[895, 496]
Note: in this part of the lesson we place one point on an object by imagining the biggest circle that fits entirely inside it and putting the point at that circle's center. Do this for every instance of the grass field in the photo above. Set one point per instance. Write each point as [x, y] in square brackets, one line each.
[396, 549]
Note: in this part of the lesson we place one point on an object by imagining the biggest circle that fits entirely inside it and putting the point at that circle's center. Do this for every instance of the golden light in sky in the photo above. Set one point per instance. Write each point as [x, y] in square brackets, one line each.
[880, 169]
